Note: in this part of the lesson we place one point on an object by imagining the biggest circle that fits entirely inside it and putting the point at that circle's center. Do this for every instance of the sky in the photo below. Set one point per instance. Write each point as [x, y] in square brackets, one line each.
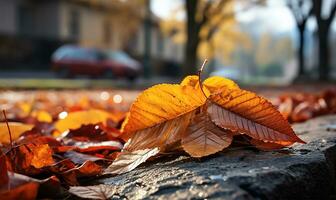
[163, 8]
[276, 16]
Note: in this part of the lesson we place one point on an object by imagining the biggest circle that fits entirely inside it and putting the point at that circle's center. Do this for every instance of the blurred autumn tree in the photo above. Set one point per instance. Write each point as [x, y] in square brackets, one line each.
[301, 10]
[324, 12]
[209, 26]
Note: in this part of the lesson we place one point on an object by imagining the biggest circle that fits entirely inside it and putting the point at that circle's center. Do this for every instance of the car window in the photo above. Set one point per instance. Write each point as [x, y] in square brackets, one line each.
[79, 54]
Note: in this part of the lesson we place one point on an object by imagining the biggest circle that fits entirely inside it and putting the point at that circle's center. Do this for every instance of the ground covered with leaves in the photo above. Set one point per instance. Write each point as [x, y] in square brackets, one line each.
[55, 143]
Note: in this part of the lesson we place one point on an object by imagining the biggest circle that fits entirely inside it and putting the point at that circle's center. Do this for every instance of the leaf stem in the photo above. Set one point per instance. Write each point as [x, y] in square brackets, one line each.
[9, 131]
[199, 76]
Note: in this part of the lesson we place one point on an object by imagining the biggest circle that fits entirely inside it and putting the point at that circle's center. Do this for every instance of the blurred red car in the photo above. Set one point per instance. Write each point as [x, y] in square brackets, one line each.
[71, 60]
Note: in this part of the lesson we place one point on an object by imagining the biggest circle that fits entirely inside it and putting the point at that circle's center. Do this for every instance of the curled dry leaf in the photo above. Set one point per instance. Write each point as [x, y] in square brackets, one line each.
[160, 135]
[245, 112]
[128, 161]
[94, 192]
[16, 130]
[204, 138]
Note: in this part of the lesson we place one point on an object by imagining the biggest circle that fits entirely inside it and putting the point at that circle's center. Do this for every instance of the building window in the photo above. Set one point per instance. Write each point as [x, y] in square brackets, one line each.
[74, 24]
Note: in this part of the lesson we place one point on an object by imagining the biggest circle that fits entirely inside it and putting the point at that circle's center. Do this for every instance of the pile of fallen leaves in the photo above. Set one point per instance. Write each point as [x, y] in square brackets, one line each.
[49, 151]
[299, 107]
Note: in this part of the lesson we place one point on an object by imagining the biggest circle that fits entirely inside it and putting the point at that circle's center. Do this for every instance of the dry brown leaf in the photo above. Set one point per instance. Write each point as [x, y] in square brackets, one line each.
[16, 130]
[94, 192]
[160, 135]
[245, 112]
[204, 138]
[128, 161]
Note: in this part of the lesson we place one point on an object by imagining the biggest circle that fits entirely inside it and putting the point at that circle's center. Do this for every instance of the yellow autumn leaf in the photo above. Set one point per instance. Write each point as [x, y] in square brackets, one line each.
[159, 104]
[215, 83]
[210, 86]
[16, 130]
[75, 120]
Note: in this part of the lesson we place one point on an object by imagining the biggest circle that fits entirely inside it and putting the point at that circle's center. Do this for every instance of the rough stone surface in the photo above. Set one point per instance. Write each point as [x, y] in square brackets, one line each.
[299, 172]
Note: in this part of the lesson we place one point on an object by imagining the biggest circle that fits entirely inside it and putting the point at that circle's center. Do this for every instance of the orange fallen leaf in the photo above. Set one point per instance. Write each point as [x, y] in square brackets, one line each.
[42, 156]
[155, 112]
[245, 112]
[159, 104]
[29, 158]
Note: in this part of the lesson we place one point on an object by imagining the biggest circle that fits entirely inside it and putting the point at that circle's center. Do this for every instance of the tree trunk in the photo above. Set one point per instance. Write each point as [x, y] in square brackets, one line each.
[300, 55]
[324, 67]
[190, 54]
